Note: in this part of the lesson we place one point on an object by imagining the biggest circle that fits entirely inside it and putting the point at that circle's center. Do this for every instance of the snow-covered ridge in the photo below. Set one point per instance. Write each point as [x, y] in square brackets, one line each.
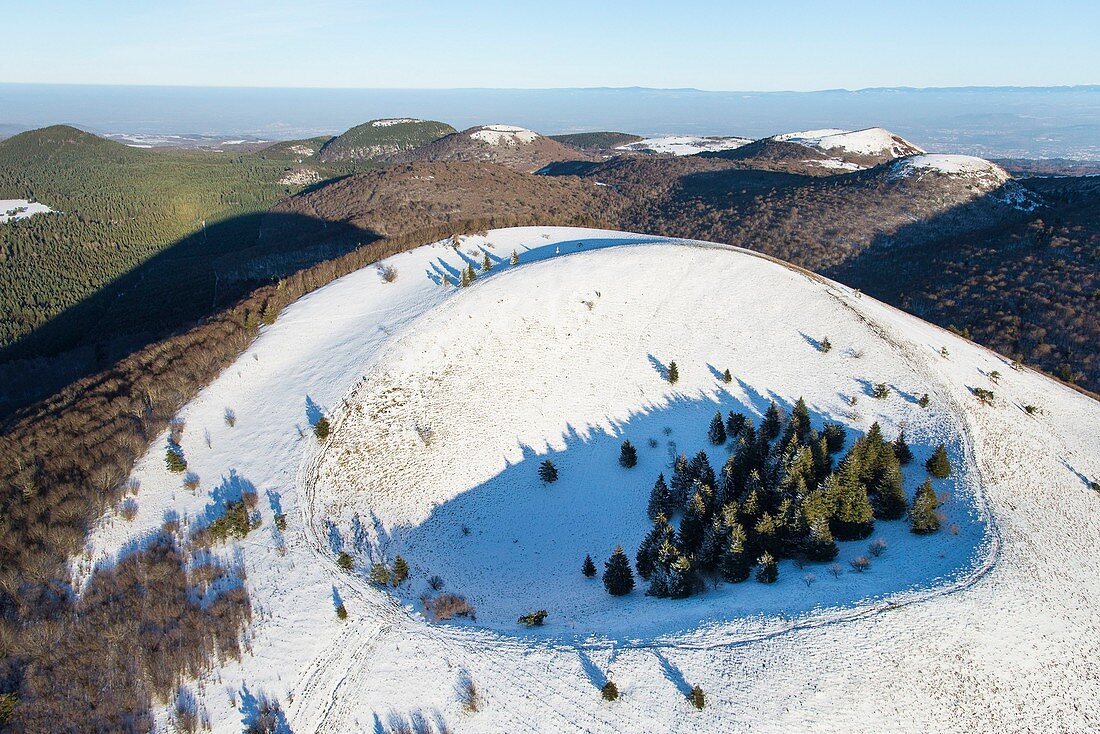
[504, 135]
[12, 209]
[393, 121]
[685, 144]
[869, 141]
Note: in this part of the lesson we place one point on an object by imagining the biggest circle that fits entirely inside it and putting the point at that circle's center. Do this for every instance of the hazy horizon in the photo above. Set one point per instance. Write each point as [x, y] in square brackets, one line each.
[1014, 121]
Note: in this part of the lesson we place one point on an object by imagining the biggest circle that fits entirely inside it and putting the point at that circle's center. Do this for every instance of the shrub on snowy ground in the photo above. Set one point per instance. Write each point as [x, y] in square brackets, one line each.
[380, 574]
[128, 509]
[533, 619]
[345, 561]
[469, 695]
[860, 564]
[881, 391]
[514, 260]
[628, 455]
[877, 547]
[809, 579]
[697, 698]
[985, 397]
[1030, 409]
[836, 569]
[610, 691]
[230, 417]
[548, 472]
[618, 579]
[235, 522]
[191, 481]
[388, 273]
[435, 583]
[448, 606]
[938, 465]
[341, 612]
[924, 400]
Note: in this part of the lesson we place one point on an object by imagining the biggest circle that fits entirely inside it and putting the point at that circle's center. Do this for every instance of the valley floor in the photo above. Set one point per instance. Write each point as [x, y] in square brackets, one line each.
[993, 628]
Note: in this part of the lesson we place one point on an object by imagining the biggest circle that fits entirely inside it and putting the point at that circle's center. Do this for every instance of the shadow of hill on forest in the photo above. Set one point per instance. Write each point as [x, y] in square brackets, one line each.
[175, 288]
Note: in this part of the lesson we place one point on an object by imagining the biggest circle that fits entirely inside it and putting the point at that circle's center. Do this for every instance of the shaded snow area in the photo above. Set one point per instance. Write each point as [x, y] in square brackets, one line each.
[836, 164]
[12, 209]
[983, 173]
[685, 144]
[504, 135]
[443, 401]
[871, 141]
[480, 372]
[393, 121]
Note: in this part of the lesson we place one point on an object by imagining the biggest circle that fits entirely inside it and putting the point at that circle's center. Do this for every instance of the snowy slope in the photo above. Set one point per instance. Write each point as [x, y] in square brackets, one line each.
[503, 135]
[685, 144]
[984, 630]
[872, 141]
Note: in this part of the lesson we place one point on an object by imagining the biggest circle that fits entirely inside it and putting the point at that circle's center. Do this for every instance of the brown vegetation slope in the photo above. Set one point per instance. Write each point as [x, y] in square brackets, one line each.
[514, 147]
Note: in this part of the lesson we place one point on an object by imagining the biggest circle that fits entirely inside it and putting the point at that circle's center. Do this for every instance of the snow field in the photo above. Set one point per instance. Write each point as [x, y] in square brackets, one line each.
[1008, 645]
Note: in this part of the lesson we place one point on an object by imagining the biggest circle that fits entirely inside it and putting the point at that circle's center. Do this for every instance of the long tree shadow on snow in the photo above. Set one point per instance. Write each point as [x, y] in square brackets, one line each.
[514, 544]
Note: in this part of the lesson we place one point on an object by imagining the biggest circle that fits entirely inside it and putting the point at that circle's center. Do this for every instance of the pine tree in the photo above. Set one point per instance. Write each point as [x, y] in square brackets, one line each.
[924, 401]
[617, 576]
[800, 421]
[769, 569]
[628, 455]
[588, 568]
[673, 373]
[515, 258]
[176, 463]
[610, 691]
[697, 698]
[852, 517]
[692, 524]
[769, 429]
[733, 564]
[826, 345]
[661, 501]
[486, 263]
[735, 423]
[902, 450]
[548, 472]
[890, 501]
[715, 538]
[727, 377]
[834, 436]
[648, 552]
[321, 428]
[818, 544]
[938, 464]
[680, 578]
[717, 432]
[701, 471]
[923, 518]
[400, 571]
[681, 481]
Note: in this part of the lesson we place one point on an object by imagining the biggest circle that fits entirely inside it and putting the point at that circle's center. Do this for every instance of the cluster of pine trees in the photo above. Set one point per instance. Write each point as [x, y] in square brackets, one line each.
[779, 495]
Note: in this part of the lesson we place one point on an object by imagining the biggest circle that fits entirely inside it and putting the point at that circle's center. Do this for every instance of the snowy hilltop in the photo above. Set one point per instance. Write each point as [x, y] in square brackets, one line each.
[427, 469]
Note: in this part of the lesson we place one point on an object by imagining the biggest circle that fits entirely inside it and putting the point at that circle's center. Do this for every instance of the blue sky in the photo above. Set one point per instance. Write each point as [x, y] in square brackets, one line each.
[563, 43]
